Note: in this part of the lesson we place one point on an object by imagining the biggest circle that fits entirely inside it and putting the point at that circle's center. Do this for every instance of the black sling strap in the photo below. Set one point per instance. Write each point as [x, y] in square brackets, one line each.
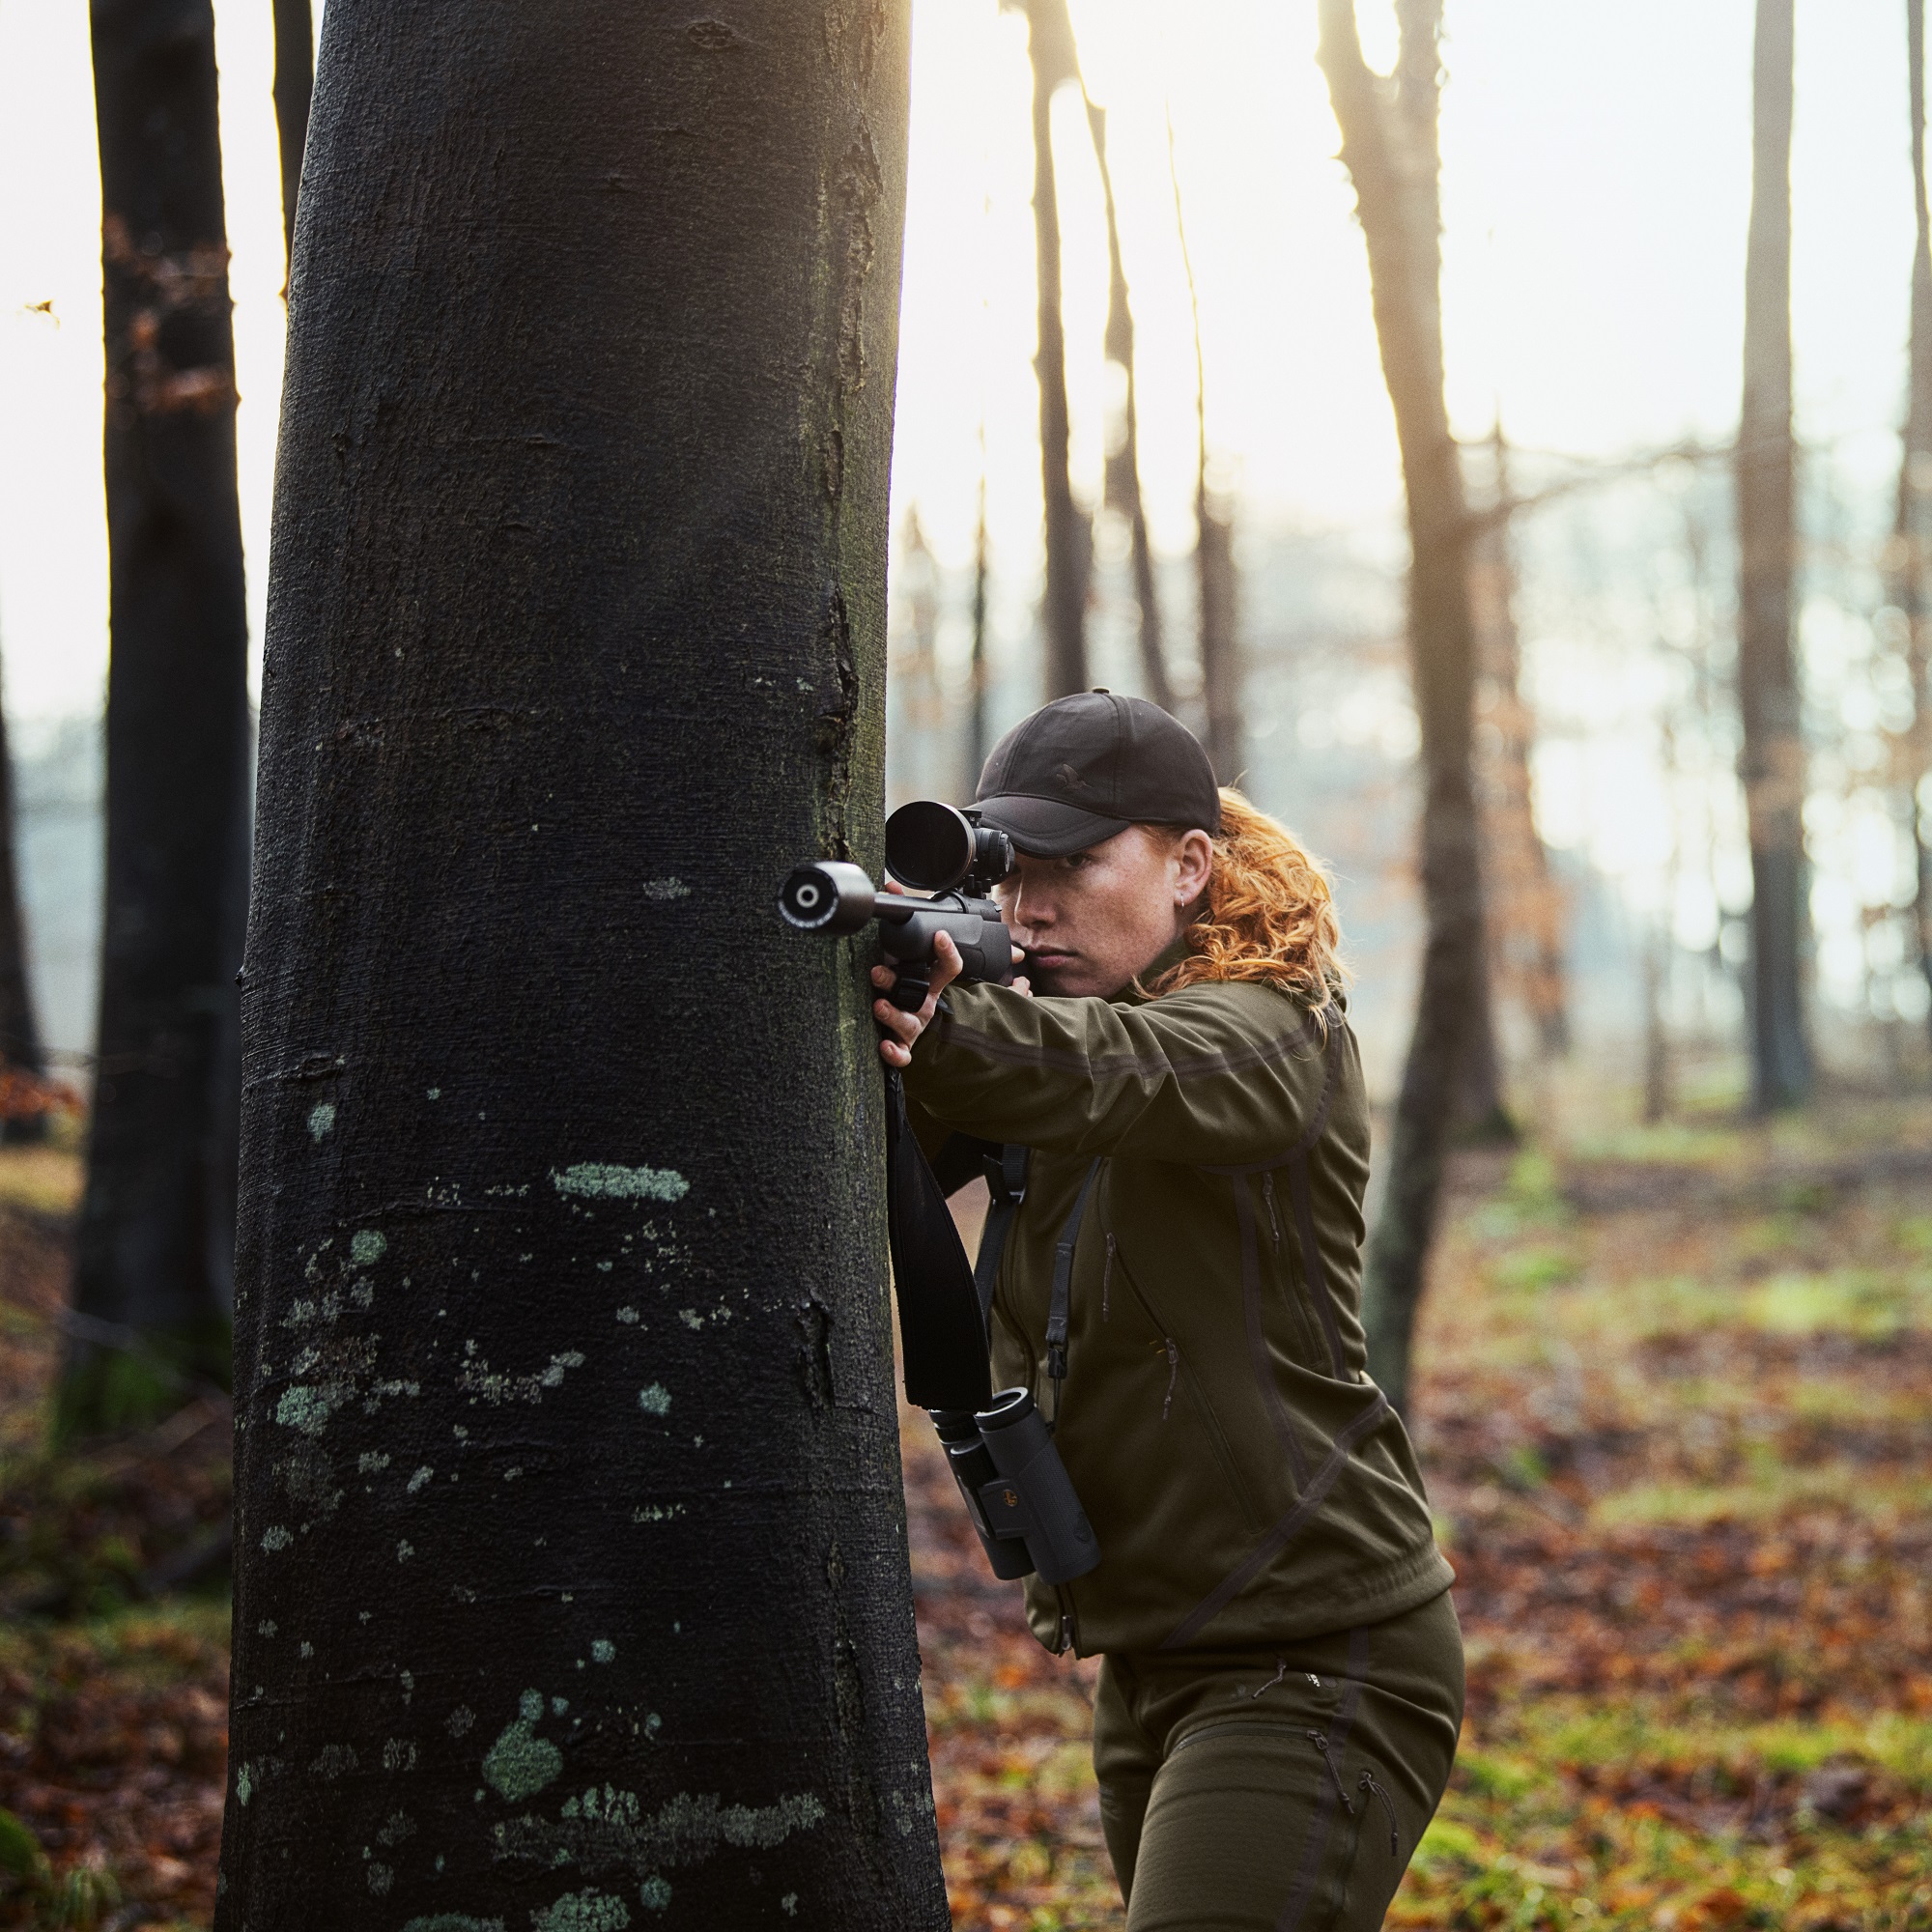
[942, 1328]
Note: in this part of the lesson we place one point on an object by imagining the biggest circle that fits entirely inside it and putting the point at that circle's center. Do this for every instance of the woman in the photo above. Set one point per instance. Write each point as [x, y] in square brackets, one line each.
[1282, 1678]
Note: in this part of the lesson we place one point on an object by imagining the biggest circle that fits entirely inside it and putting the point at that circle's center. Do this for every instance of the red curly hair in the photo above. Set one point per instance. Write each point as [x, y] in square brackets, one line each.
[1268, 912]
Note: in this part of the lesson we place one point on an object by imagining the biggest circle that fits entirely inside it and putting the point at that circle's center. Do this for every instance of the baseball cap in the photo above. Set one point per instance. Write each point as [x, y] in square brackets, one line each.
[1084, 768]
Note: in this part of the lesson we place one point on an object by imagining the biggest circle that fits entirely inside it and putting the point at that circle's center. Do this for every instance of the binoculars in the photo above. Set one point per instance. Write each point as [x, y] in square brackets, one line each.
[1017, 1490]
[933, 848]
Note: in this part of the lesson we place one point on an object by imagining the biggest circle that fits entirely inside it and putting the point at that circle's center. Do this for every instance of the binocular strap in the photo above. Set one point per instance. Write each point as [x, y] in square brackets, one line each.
[1060, 1306]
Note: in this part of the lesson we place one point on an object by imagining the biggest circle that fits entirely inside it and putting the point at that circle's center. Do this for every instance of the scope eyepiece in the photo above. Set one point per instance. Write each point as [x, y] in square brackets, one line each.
[827, 895]
[934, 847]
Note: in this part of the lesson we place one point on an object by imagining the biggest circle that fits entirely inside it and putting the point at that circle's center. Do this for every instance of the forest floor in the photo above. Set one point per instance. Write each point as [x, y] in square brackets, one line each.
[1673, 1405]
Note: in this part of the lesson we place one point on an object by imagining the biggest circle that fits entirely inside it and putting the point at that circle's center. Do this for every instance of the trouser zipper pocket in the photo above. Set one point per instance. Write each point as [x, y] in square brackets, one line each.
[1321, 1743]
[1367, 1785]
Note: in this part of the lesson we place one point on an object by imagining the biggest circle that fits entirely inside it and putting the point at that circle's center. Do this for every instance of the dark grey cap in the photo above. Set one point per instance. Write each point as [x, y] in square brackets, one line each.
[1084, 768]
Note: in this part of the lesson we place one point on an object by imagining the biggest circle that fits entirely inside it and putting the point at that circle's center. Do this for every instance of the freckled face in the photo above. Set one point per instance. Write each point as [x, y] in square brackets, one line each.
[1092, 921]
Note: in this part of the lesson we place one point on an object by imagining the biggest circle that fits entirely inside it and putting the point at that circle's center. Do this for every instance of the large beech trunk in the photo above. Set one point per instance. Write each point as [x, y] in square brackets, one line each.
[158, 1224]
[571, 1562]
[1389, 147]
[1769, 698]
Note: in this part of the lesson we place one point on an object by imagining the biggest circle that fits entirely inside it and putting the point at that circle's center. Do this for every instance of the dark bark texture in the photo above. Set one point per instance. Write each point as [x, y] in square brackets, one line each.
[1124, 458]
[1070, 536]
[1915, 511]
[1389, 147]
[1769, 700]
[572, 1581]
[158, 1224]
[294, 84]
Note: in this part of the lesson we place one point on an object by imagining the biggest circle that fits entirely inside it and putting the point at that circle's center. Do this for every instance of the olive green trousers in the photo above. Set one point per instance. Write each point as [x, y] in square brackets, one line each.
[1281, 1790]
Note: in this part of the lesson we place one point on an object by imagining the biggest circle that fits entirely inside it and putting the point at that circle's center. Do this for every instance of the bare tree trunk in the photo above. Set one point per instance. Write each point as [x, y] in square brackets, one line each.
[1214, 553]
[1773, 761]
[1524, 901]
[1389, 146]
[979, 734]
[1070, 536]
[294, 84]
[158, 1224]
[22, 1062]
[1123, 462]
[1915, 511]
[918, 753]
[570, 1565]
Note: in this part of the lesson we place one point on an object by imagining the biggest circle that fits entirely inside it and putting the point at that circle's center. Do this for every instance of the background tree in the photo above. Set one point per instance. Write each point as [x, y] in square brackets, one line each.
[1213, 552]
[1769, 700]
[1389, 146]
[1069, 534]
[294, 84]
[22, 1062]
[1522, 902]
[571, 1548]
[158, 1224]
[1913, 528]
[1124, 457]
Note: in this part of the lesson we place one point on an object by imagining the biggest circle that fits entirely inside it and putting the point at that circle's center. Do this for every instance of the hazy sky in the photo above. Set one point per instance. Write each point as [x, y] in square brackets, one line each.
[1597, 176]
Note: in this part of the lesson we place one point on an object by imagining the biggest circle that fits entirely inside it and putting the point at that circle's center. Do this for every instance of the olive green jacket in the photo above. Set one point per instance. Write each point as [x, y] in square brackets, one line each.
[1244, 1478]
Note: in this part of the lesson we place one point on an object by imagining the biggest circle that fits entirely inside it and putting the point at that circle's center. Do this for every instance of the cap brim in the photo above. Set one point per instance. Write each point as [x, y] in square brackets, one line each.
[1046, 827]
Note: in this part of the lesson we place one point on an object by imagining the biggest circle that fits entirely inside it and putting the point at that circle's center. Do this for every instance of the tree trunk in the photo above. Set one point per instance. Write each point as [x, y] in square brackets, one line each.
[1389, 146]
[1773, 758]
[1069, 537]
[294, 84]
[158, 1224]
[1124, 458]
[919, 753]
[23, 1065]
[978, 733]
[1915, 513]
[571, 1560]
[1522, 900]
[1214, 553]
[1220, 647]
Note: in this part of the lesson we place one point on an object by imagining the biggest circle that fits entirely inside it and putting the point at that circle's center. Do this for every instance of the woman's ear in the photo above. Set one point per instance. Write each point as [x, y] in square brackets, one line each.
[1194, 864]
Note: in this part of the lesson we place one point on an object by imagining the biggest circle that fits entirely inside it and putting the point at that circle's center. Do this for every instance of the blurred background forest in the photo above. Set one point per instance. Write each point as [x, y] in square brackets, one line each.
[1669, 1380]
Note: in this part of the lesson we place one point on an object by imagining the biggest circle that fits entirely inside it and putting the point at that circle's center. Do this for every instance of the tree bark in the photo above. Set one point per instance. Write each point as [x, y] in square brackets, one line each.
[294, 84]
[158, 1224]
[1389, 147]
[1123, 462]
[571, 1562]
[1214, 553]
[1070, 536]
[1914, 514]
[1771, 763]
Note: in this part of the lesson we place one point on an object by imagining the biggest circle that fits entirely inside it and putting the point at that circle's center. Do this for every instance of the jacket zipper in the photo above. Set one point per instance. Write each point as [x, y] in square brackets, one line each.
[1274, 1220]
[1172, 1374]
[1107, 1277]
[1367, 1785]
[1320, 1741]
